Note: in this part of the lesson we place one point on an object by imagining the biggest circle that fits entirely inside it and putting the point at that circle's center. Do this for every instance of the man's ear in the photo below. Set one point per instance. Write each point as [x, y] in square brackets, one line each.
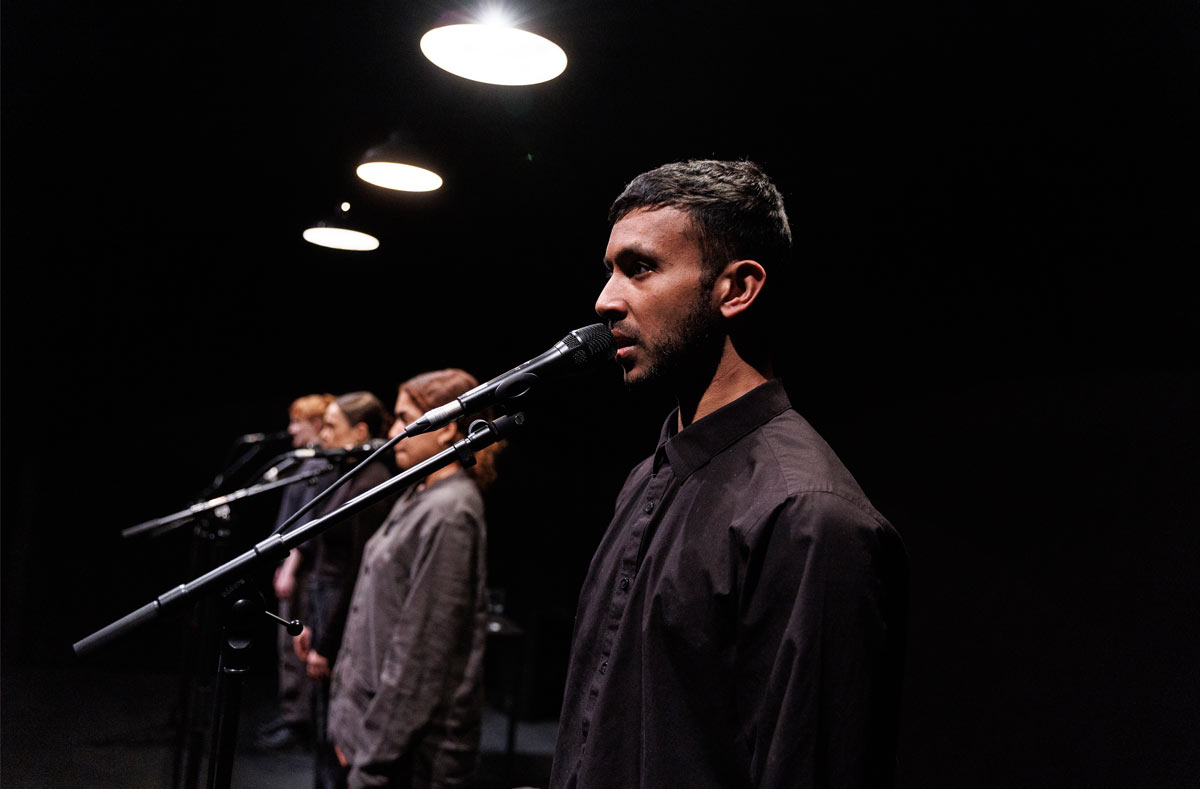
[446, 434]
[362, 434]
[739, 285]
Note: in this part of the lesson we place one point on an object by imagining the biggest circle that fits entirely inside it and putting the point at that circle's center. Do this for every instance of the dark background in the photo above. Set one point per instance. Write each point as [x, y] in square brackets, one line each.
[995, 210]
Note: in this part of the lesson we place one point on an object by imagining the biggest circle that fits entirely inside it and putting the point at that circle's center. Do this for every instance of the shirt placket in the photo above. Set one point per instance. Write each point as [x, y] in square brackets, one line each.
[644, 512]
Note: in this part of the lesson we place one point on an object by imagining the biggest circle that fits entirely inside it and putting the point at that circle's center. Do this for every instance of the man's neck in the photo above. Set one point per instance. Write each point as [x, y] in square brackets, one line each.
[445, 472]
[732, 378]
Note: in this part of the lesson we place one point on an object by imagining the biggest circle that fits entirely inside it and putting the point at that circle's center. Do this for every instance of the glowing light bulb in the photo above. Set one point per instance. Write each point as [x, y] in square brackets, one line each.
[403, 177]
[494, 53]
[341, 238]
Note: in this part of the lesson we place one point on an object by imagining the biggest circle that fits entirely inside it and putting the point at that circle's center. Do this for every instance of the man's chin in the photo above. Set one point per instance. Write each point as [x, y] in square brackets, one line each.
[639, 376]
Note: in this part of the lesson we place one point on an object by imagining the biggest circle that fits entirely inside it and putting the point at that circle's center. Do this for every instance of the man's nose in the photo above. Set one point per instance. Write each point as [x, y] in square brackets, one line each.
[610, 304]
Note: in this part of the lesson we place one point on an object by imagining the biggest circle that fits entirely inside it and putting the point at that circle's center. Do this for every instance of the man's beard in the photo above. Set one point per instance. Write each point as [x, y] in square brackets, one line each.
[688, 350]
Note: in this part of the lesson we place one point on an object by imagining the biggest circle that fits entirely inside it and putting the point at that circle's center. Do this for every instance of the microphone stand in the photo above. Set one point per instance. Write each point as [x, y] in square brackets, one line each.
[211, 535]
[159, 525]
[342, 480]
[233, 467]
[579, 348]
[246, 606]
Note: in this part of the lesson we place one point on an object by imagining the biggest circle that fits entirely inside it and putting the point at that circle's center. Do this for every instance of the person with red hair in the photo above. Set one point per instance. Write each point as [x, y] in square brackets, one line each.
[332, 560]
[292, 727]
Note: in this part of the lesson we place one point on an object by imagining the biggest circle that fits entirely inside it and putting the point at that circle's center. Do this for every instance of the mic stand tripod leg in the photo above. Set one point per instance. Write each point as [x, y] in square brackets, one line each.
[209, 546]
[237, 640]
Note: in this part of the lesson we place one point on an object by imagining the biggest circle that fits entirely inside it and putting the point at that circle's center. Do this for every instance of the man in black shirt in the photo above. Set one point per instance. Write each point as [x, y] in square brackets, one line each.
[743, 620]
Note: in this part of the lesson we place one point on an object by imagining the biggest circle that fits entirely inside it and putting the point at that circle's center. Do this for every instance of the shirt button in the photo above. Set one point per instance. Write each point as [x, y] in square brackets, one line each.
[649, 506]
[604, 667]
[624, 583]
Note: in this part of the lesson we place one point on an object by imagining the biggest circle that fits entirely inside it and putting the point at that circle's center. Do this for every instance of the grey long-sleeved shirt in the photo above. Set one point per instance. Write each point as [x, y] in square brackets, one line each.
[407, 696]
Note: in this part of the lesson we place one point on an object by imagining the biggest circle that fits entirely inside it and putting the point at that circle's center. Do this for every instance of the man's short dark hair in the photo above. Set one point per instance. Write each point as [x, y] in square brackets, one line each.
[736, 211]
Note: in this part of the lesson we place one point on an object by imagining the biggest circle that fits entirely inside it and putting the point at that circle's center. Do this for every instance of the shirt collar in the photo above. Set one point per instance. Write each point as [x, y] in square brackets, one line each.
[692, 447]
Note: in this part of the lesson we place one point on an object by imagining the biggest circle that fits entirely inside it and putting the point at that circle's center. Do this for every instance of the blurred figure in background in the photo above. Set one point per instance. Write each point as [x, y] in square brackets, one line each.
[292, 727]
[305, 417]
[407, 703]
[331, 560]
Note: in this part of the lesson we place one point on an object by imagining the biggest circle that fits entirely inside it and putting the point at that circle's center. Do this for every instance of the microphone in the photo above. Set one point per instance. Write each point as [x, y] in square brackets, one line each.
[285, 461]
[258, 438]
[585, 347]
[353, 452]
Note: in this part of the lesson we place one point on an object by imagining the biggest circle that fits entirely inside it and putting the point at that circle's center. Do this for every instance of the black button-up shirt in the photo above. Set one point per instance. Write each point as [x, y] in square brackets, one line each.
[743, 620]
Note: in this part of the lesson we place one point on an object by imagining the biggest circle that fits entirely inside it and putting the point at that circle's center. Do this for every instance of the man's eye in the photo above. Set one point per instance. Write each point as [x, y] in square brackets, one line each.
[639, 267]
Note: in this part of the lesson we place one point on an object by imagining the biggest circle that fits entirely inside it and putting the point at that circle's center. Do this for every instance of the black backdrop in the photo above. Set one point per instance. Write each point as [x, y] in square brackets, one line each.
[995, 208]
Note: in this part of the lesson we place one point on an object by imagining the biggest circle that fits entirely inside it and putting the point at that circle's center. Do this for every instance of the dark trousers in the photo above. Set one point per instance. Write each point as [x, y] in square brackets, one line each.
[295, 703]
[328, 772]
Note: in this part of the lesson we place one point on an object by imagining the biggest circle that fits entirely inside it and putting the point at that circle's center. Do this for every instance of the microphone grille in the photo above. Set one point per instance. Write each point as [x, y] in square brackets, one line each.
[592, 342]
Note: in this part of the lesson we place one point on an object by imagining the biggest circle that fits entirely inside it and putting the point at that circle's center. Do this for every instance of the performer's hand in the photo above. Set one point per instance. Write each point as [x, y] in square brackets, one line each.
[285, 576]
[318, 666]
[284, 584]
[302, 644]
[342, 760]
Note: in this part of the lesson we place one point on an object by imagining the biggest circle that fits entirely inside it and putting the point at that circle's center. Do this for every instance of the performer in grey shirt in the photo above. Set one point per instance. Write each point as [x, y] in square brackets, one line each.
[407, 699]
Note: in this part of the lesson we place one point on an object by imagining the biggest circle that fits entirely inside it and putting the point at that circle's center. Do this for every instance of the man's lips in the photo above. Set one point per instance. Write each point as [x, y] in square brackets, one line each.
[625, 344]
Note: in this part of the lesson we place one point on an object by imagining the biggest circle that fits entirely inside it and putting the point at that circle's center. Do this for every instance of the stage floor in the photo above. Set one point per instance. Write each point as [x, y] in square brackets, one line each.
[98, 728]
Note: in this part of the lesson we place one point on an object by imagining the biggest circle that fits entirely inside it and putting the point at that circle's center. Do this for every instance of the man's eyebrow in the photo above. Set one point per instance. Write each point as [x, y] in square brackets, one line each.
[633, 253]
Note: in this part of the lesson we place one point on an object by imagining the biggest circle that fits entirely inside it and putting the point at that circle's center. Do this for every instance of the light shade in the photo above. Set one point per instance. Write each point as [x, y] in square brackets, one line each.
[494, 54]
[401, 163]
[340, 238]
[400, 176]
[334, 233]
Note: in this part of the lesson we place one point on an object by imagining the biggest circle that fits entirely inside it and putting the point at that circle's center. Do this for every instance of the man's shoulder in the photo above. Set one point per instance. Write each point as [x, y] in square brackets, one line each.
[374, 473]
[457, 493]
[802, 466]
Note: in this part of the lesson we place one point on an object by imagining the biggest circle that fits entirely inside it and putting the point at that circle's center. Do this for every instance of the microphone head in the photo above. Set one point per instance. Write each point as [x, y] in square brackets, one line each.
[258, 438]
[359, 450]
[588, 343]
[582, 348]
